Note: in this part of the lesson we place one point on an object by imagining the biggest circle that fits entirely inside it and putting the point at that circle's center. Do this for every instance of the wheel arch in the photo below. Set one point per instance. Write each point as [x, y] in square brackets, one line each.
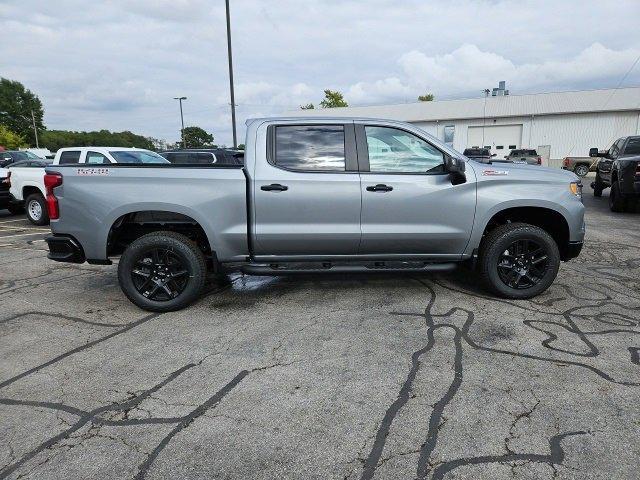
[127, 225]
[549, 219]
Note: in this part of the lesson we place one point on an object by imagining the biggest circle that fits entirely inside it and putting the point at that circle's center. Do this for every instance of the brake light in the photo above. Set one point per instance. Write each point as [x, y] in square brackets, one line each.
[51, 181]
[565, 163]
[7, 181]
[539, 160]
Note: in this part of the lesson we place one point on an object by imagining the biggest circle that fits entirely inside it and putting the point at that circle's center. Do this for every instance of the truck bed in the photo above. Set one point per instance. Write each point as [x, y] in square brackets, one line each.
[92, 199]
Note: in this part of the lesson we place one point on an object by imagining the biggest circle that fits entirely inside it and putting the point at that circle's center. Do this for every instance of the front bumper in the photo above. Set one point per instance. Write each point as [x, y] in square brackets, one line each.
[574, 250]
[65, 249]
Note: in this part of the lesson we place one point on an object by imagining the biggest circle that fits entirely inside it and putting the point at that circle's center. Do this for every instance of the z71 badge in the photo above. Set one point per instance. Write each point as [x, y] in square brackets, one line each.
[491, 173]
[93, 171]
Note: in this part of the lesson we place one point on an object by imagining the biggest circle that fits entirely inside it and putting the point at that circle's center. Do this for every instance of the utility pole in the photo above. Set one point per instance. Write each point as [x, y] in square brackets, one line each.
[233, 102]
[35, 130]
[181, 120]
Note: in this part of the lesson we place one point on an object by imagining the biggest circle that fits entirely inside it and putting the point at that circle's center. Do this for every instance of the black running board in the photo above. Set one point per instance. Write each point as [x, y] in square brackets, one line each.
[328, 267]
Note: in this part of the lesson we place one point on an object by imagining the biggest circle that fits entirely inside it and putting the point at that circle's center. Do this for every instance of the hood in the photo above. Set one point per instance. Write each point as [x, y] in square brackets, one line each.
[521, 170]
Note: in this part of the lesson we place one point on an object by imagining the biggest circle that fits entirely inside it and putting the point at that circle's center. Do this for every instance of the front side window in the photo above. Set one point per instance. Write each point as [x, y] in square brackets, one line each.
[95, 157]
[396, 151]
[70, 156]
[633, 147]
[310, 147]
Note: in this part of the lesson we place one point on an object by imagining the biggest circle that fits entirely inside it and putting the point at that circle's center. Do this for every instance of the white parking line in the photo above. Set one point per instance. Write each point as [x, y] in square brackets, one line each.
[16, 220]
[19, 235]
[3, 229]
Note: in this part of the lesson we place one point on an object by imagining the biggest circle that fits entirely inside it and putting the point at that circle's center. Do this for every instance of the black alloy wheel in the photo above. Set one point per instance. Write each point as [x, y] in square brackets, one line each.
[159, 274]
[523, 264]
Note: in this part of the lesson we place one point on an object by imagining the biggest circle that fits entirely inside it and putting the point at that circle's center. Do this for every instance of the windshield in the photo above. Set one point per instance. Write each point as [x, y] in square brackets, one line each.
[32, 156]
[137, 156]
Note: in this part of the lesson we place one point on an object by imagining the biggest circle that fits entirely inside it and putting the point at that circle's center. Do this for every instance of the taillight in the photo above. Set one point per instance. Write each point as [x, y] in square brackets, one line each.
[51, 181]
[539, 160]
[7, 181]
[638, 169]
[565, 163]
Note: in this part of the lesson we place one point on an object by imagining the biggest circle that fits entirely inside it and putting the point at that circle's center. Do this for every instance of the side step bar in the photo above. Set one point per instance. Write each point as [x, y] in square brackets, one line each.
[328, 267]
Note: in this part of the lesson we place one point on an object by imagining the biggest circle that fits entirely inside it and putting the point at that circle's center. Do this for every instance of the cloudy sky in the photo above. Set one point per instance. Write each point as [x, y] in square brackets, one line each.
[117, 64]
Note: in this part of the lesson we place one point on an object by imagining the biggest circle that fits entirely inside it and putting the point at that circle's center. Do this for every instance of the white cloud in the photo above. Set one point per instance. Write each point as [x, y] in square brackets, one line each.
[118, 64]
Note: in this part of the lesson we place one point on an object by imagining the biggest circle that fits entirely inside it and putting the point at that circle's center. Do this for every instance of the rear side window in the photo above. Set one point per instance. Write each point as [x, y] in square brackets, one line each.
[317, 148]
[633, 147]
[96, 157]
[71, 156]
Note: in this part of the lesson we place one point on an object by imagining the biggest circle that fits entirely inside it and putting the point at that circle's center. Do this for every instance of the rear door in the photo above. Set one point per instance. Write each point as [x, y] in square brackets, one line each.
[307, 194]
[409, 205]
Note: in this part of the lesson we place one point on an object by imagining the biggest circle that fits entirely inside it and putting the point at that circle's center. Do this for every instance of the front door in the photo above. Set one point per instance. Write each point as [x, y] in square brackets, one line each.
[409, 204]
[307, 195]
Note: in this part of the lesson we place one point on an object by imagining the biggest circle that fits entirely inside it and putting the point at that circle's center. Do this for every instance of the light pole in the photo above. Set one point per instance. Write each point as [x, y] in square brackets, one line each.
[35, 130]
[486, 92]
[233, 102]
[181, 119]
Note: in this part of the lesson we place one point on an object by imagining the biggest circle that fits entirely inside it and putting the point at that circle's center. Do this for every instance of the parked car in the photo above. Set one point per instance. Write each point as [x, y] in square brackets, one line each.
[479, 154]
[309, 200]
[11, 156]
[528, 156]
[5, 185]
[203, 156]
[28, 190]
[581, 166]
[619, 168]
[106, 155]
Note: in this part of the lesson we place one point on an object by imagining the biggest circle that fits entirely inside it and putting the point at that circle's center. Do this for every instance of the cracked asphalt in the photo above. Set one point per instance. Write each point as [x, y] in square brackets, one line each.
[348, 377]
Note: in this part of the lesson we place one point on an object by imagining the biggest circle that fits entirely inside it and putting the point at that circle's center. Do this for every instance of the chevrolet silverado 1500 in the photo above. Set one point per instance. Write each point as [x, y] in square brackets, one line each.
[317, 195]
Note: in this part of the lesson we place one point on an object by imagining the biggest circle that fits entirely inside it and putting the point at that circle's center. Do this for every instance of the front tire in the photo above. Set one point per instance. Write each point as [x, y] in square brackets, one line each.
[519, 260]
[617, 203]
[36, 209]
[162, 271]
[598, 186]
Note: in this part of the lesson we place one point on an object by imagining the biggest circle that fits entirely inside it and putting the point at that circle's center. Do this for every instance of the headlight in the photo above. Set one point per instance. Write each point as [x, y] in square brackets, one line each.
[576, 189]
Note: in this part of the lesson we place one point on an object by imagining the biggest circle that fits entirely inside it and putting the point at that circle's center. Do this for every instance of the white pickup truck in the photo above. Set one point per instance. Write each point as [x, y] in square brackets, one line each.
[28, 191]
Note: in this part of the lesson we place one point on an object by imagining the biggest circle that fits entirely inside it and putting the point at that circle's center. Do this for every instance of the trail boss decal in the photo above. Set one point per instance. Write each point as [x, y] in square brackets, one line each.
[493, 173]
[93, 171]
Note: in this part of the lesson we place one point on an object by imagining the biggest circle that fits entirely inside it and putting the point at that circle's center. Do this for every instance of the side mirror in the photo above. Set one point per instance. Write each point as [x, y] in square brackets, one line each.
[455, 168]
[494, 155]
[593, 152]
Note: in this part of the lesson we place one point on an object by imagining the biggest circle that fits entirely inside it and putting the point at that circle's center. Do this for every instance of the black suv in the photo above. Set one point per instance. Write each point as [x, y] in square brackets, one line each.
[204, 156]
[619, 168]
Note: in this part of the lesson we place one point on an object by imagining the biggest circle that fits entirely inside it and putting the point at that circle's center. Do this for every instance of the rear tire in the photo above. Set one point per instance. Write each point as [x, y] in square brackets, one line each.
[581, 170]
[162, 271]
[518, 260]
[36, 209]
[617, 203]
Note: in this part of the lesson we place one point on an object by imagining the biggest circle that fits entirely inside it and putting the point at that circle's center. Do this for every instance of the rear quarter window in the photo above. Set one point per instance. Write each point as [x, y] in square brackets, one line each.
[71, 156]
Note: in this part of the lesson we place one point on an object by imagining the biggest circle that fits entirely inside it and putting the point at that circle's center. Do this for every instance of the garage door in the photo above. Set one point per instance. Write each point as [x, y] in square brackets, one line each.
[501, 139]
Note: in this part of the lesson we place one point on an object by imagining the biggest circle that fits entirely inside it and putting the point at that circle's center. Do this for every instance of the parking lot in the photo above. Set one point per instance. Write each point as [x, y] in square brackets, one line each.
[350, 376]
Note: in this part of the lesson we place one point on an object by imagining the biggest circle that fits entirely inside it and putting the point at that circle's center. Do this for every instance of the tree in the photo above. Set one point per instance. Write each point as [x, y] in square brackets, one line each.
[428, 97]
[10, 140]
[196, 137]
[16, 105]
[55, 139]
[308, 106]
[332, 99]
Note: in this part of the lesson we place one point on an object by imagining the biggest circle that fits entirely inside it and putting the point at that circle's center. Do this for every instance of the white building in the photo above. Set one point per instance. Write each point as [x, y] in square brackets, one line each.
[556, 124]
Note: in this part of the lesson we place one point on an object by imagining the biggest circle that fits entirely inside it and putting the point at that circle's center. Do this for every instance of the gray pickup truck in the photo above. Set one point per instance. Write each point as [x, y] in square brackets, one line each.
[317, 195]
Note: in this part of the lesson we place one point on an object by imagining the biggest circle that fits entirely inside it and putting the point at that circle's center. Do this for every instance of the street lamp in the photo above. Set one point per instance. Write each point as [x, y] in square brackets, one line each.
[233, 102]
[181, 119]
